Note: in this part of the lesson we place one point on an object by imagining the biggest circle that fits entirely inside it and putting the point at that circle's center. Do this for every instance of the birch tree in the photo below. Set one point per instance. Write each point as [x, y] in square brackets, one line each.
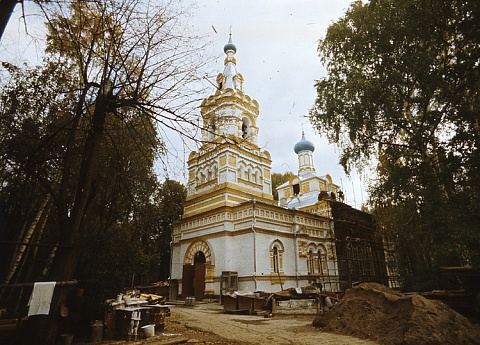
[122, 67]
[402, 97]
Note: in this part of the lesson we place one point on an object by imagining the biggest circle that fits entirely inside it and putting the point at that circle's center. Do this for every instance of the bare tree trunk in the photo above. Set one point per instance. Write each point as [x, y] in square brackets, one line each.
[44, 330]
[18, 255]
[6, 9]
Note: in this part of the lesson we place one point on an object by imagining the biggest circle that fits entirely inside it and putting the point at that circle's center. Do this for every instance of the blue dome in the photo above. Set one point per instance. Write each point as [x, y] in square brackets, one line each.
[230, 46]
[304, 145]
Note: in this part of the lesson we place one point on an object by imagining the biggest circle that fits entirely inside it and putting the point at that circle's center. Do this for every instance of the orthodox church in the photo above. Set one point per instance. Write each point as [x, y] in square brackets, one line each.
[234, 236]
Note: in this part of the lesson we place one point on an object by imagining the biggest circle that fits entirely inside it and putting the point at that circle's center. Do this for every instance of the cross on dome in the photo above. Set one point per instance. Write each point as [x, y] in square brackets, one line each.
[230, 46]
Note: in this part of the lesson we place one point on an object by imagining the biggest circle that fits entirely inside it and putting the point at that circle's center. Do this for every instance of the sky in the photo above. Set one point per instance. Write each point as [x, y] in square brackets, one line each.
[277, 55]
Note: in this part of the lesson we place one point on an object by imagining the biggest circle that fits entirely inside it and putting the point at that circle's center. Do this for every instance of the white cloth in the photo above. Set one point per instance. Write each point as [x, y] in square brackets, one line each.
[41, 298]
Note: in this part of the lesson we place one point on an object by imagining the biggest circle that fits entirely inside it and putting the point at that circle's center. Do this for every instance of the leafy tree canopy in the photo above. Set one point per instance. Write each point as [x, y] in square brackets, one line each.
[403, 96]
[79, 136]
[277, 180]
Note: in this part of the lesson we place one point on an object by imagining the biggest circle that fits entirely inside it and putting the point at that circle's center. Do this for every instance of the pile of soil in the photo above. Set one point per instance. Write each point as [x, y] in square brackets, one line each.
[373, 311]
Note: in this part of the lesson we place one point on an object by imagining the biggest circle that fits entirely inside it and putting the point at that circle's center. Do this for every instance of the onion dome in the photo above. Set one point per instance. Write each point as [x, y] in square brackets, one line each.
[304, 145]
[230, 46]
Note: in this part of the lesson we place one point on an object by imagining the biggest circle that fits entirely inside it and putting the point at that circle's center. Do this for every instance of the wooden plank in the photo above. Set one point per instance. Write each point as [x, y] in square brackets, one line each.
[172, 341]
[8, 325]
[16, 285]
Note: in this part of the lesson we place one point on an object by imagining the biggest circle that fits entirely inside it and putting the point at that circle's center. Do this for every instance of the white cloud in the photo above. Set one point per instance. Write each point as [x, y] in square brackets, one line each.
[277, 55]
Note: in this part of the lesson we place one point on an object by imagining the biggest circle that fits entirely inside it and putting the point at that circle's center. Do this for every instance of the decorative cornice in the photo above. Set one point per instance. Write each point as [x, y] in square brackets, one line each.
[234, 97]
[227, 188]
[311, 225]
[240, 147]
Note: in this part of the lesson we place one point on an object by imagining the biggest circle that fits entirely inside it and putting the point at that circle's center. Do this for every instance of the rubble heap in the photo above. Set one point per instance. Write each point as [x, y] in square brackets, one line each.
[373, 311]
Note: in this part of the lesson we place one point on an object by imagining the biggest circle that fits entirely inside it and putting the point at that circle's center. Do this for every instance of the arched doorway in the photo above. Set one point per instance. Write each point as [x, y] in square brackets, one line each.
[197, 257]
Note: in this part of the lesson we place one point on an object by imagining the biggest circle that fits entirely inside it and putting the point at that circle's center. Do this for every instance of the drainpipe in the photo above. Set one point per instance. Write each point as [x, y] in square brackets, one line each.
[295, 247]
[254, 245]
[170, 292]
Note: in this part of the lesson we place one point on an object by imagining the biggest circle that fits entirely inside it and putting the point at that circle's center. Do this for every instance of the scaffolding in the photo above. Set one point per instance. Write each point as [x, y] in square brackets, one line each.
[360, 250]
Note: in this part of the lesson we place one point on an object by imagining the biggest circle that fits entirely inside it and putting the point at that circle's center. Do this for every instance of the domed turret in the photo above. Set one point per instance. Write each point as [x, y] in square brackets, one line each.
[304, 149]
[230, 46]
[230, 79]
[304, 145]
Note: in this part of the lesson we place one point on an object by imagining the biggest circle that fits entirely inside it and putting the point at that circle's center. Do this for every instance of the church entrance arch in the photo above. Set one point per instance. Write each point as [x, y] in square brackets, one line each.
[197, 257]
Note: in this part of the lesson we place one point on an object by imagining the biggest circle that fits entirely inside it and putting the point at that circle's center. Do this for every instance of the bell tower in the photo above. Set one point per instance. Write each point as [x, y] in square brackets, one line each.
[229, 112]
[229, 168]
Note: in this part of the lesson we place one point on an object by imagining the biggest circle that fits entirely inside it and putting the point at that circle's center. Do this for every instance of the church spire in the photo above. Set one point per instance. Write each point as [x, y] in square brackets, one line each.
[229, 166]
[230, 112]
[230, 78]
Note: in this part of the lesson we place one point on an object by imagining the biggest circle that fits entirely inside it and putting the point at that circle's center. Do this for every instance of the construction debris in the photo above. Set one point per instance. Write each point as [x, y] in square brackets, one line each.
[306, 292]
[131, 311]
[301, 300]
[373, 311]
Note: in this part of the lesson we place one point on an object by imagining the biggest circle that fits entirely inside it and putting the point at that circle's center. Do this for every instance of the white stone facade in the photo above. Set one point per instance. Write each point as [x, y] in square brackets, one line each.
[231, 222]
[242, 239]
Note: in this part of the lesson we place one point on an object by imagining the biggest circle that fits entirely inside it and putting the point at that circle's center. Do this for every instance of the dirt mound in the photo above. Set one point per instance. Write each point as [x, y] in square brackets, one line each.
[373, 311]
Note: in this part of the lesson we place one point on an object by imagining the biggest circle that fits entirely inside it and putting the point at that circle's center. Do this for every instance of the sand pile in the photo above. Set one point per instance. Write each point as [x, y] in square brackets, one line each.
[373, 311]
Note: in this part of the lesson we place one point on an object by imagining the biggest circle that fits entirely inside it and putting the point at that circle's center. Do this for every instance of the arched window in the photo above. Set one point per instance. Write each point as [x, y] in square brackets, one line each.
[310, 263]
[276, 253]
[295, 183]
[257, 176]
[241, 172]
[211, 129]
[276, 261]
[322, 261]
[244, 131]
[199, 258]
[214, 172]
[245, 128]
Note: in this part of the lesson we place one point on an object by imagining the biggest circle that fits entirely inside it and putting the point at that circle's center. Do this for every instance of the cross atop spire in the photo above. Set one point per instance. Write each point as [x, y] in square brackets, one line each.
[230, 70]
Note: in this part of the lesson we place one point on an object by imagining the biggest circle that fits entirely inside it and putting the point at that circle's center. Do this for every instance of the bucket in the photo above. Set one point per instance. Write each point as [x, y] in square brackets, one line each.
[189, 300]
[66, 339]
[148, 331]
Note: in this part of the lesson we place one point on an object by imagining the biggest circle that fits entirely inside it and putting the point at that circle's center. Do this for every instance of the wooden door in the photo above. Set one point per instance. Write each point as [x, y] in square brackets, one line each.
[188, 276]
[199, 288]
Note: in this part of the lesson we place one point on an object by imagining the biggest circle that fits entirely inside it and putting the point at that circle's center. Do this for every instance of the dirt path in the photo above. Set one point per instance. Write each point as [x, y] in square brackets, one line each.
[207, 324]
[252, 329]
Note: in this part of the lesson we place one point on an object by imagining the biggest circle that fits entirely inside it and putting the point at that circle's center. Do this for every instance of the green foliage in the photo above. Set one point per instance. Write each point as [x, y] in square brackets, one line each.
[78, 139]
[130, 229]
[133, 252]
[403, 93]
[33, 133]
[279, 179]
[34, 126]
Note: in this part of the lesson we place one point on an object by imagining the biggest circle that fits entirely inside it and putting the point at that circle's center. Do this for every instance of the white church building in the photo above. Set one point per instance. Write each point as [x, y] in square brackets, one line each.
[233, 235]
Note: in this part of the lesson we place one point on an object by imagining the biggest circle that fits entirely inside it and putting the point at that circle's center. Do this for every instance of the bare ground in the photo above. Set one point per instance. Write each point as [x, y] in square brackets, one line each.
[206, 323]
[253, 329]
[367, 315]
[376, 312]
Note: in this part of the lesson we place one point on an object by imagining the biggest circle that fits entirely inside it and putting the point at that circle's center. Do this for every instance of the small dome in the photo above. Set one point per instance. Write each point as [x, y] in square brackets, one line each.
[304, 145]
[230, 46]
